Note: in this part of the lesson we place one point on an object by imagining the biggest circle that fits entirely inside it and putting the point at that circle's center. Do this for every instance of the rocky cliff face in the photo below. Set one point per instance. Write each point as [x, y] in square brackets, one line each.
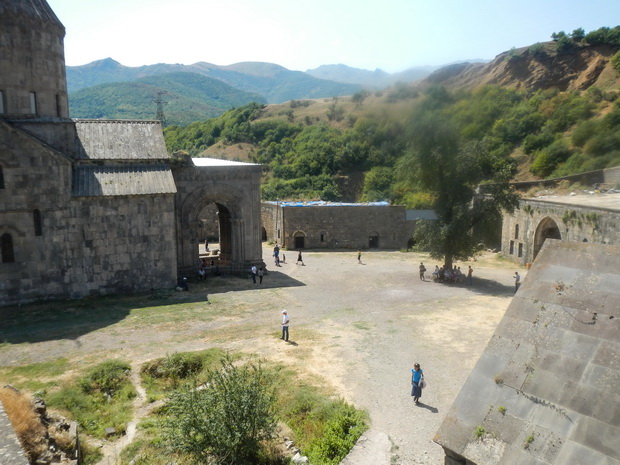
[541, 68]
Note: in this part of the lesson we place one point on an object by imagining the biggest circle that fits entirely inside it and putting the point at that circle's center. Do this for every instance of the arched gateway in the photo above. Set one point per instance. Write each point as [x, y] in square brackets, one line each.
[234, 189]
[547, 229]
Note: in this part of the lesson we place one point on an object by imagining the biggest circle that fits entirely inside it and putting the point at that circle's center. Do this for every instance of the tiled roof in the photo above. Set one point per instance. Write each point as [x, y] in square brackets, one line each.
[546, 390]
[89, 181]
[120, 140]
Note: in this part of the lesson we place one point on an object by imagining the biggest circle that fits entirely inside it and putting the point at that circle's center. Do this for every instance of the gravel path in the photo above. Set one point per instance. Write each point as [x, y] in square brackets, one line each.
[358, 327]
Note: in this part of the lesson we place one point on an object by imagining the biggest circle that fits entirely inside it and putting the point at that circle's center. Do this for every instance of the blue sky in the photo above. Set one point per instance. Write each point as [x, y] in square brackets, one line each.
[392, 35]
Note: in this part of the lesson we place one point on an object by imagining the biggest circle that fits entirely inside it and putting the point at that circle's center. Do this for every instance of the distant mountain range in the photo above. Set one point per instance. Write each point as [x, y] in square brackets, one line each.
[107, 89]
[377, 79]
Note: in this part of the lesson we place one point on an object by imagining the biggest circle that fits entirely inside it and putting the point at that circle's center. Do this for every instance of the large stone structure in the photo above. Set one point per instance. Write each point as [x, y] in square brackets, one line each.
[326, 225]
[546, 388]
[581, 218]
[98, 207]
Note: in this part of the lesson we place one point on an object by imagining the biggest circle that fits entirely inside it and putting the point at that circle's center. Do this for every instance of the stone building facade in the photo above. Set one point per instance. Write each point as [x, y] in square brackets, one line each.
[569, 219]
[322, 225]
[98, 207]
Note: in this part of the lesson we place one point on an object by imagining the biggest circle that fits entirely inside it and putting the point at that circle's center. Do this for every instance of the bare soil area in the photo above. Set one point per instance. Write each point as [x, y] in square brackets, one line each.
[357, 327]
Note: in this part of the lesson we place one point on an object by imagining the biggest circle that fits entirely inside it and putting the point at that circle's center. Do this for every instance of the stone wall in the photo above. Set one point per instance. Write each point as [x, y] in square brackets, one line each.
[32, 61]
[235, 191]
[523, 231]
[353, 227]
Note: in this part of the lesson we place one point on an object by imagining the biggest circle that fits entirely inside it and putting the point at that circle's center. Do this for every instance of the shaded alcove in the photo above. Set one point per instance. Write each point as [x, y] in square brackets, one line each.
[547, 229]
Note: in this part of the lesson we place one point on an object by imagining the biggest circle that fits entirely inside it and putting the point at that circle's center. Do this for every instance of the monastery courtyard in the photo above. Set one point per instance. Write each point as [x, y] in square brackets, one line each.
[358, 327]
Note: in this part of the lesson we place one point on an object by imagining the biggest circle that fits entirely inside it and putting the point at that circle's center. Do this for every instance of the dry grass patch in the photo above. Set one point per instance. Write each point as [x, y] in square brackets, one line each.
[25, 421]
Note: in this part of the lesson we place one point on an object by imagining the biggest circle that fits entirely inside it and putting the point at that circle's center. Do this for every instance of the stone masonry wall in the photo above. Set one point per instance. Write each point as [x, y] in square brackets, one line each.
[575, 224]
[345, 226]
[92, 246]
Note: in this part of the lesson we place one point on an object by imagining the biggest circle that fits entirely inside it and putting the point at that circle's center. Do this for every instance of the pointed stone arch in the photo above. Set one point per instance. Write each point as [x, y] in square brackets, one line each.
[546, 229]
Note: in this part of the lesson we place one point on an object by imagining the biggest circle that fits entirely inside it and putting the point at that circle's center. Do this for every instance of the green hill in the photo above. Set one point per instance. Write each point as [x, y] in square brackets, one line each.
[188, 96]
[274, 83]
[545, 111]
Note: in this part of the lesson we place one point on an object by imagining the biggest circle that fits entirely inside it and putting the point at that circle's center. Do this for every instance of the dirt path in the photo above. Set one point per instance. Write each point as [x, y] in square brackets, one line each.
[358, 327]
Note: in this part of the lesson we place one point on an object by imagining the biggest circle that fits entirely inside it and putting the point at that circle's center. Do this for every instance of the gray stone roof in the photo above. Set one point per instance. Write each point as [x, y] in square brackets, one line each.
[120, 140]
[89, 181]
[36, 9]
[546, 390]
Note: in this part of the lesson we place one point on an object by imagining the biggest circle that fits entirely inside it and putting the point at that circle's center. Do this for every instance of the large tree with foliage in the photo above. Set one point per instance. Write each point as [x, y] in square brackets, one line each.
[467, 181]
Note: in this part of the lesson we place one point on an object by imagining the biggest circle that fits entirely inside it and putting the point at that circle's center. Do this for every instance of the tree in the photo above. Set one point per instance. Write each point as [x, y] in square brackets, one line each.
[451, 171]
[226, 418]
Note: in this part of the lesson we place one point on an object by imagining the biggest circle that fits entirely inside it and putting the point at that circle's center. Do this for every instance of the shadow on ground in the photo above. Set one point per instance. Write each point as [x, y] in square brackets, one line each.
[71, 319]
[483, 286]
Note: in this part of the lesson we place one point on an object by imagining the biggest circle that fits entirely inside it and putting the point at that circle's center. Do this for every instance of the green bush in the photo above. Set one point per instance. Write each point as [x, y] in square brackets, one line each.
[339, 435]
[108, 378]
[224, 419]
[548, 158]
[534, 142]
[584, 132]
[175, 366]
[538, 50]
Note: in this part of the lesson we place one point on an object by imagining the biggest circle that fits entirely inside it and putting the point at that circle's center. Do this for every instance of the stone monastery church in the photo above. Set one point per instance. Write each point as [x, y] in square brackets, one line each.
[90, 207]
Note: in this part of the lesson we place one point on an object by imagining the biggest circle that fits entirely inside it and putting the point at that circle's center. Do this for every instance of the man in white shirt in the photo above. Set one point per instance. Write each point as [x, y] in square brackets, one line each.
[285, 322]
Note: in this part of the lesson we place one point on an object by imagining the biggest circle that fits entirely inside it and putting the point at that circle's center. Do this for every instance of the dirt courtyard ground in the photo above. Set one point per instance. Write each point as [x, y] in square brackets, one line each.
[358, 327]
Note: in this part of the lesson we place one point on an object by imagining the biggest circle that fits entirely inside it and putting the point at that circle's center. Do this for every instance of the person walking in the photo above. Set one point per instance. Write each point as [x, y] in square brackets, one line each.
[254, 272]
[285, 323]
[470, 274]
[517, 281]
[359, 256]
[261, 273]
[300, 259]
[422, 271]
[417, 382]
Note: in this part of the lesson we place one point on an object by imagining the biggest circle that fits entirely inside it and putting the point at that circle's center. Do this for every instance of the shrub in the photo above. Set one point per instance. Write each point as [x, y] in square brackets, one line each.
[107, 378]
[615, 61]
[175, 366]
[226, 419]
[538, 50]
[548, 158]
[534, 142]
[339, 436]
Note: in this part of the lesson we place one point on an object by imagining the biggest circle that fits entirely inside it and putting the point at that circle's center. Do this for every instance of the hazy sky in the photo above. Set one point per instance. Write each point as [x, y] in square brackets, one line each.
[392, 35]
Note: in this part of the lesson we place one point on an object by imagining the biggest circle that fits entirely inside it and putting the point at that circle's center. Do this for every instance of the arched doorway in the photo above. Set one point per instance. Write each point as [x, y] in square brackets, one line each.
[220, 213]
[299, 239]
[547, 229]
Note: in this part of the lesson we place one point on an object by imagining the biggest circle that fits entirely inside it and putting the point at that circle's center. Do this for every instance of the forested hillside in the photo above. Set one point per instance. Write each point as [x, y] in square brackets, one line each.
[360, 147]
[188, 97]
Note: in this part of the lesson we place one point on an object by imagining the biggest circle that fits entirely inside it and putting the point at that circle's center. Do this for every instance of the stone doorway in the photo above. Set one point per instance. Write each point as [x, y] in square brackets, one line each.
[299, 239]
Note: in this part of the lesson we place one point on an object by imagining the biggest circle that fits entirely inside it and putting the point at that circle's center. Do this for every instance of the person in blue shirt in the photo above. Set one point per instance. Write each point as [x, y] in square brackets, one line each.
[417, 376]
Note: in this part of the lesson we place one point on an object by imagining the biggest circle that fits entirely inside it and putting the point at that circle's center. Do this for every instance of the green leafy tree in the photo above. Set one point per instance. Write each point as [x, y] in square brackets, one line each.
[225, 420]
[451, 171]
[578, 34]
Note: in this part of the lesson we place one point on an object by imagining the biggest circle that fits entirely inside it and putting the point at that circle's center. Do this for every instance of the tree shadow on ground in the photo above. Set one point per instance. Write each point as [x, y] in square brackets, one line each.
[484, 286]
[71, 319]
